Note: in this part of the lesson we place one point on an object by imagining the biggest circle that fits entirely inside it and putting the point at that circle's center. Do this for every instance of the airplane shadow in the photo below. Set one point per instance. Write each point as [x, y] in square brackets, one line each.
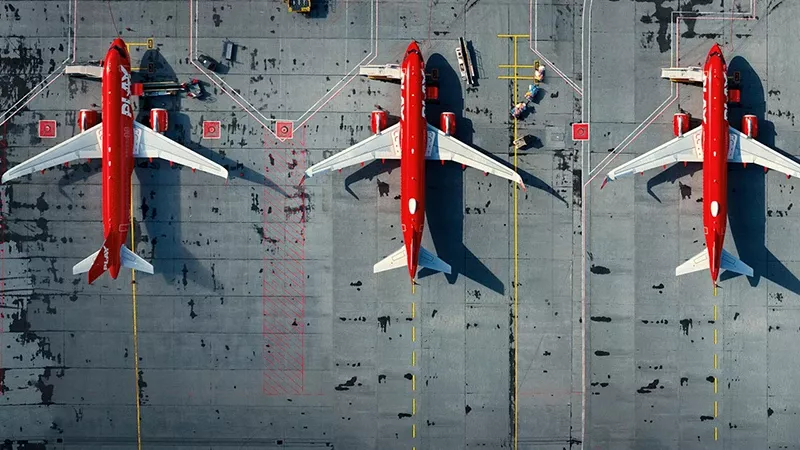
[746, 189]
[672, 174]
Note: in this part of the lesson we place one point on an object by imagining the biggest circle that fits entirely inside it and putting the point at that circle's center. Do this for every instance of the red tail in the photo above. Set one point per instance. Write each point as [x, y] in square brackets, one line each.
[107, 258]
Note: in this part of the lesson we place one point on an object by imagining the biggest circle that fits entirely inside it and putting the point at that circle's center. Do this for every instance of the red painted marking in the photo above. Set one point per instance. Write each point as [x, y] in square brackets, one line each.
[283, 276]
[580, 131]
[47, 129]
[212, 129]
[284, 129]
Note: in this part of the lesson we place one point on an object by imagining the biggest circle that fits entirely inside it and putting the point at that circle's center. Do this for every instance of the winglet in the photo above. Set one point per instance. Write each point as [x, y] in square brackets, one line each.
[605, 180]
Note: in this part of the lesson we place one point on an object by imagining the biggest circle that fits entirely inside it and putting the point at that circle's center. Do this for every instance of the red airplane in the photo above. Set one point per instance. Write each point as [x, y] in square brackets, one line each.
[714, 143]
[116, 141]
[412, 141]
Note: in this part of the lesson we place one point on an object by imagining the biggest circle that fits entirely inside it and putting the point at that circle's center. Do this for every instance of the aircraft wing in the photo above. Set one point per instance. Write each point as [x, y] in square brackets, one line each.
[686, 148]
[149, 144]
[447, 148]
[83, 145]
[376, 146]
[748, 150]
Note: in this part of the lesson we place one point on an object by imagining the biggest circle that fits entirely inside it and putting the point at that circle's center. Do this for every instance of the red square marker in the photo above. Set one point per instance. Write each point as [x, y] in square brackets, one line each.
[212, 129]
[47, 129]
[284, 129]
[580, 131]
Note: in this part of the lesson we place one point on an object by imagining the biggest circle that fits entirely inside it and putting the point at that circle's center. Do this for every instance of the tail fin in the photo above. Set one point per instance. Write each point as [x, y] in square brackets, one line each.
[99, 262]
[727, 262]
[398, 259]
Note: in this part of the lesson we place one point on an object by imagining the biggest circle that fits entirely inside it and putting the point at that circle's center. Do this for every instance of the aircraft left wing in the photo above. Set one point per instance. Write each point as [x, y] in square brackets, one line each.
[447, 148]
[376, 146]
[686, 148]
[149, 144]
[83, 145]
[748, 150]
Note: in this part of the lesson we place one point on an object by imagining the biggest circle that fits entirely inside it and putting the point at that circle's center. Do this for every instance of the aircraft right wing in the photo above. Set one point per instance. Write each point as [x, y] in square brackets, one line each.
[84, 145]
[448, 148]
[149, 144]
[374, 147]
[748, 150]
[687, 148]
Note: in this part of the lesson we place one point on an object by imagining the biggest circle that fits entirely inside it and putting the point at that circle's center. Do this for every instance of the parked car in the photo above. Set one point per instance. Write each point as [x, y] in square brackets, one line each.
[207, 62]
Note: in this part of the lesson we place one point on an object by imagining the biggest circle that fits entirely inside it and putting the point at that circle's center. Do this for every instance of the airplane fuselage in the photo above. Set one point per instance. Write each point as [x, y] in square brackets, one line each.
[413, 144]
[117, 148]
[715, 140]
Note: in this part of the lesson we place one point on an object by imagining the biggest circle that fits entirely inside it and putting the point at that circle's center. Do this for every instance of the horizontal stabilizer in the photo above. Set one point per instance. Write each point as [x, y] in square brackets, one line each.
[734, 264]
[431, 261]
[133, 261]
[694, 264]
[393, 261]
[398, 259]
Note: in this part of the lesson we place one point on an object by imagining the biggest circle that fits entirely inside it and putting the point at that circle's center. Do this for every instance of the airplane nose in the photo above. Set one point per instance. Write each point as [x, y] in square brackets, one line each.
[715, 49]
[412, 47]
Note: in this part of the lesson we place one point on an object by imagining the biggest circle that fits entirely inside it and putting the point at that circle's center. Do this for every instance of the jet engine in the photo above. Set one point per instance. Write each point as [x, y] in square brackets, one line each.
[378, 120]
[87, 118]
[158, 120]
[750, 126]
[680, 124]
[447, 123]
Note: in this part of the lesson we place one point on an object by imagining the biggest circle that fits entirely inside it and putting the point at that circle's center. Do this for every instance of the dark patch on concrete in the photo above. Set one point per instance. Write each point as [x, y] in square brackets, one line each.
[601, 353]
[384, 321]
[191, 309]
[686, 190]
[599, 270]
[685, 325]
[684, 381]
[601, 319]
[649, 388]
[383, 188]
[347, 384]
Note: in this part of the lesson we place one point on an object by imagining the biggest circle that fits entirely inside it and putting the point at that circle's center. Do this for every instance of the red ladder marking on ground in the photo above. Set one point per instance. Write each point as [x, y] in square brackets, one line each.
[283, 277]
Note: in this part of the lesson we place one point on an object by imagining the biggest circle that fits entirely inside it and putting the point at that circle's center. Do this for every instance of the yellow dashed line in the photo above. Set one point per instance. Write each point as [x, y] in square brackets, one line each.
[715, 385]
[413, 358]
[135, 340]
[413, 406]
[715, 408]
[715, 360]
[413, 382]
[413, 309]
[413, 334]
[715, 336]
[413, 430]
[715, 313]
[715, 433]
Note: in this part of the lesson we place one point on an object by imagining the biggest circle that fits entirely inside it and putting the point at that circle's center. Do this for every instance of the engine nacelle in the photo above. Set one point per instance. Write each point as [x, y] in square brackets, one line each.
[447, 123]
[680, 124]
[750, 126]
[87, 118]
[158, 120]
[378, 121]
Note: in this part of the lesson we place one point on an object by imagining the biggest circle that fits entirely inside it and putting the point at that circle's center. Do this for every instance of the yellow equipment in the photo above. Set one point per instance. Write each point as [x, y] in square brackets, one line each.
[301, 6]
